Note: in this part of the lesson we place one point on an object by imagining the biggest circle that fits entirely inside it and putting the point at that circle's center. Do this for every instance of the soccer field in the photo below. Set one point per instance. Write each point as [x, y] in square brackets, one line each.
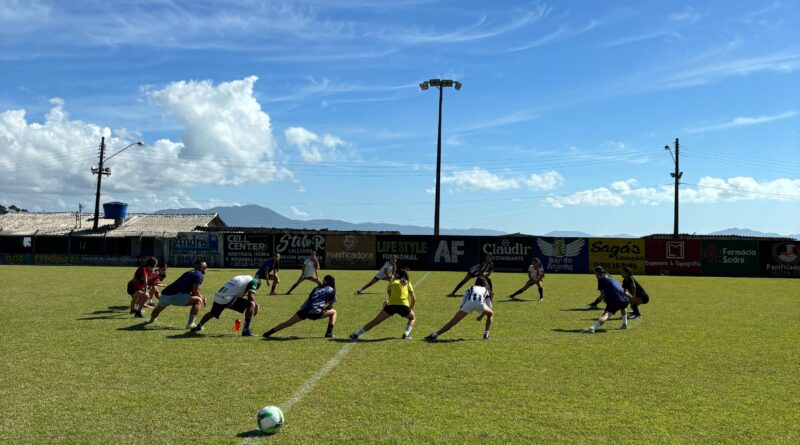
[714, 360]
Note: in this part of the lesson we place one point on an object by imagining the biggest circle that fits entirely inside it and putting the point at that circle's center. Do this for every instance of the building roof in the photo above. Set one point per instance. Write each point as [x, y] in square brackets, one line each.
[279, 230]
[135, 225]
[715, 237]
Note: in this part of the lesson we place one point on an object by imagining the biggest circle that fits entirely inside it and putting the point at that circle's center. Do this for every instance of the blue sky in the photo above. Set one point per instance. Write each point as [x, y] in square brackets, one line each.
[313, 109]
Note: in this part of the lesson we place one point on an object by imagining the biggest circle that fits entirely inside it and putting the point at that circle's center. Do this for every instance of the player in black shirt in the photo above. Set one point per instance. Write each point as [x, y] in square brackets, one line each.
[636, 291]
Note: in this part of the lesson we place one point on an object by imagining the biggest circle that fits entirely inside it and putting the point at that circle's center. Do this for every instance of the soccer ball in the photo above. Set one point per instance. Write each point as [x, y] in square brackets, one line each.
[270, 419]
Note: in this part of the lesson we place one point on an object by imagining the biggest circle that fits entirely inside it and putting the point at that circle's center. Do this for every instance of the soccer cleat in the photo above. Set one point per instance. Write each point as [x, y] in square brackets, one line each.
[587, 331]
[152, 320]
[358, 292]
[353, 337]
[197, 328]
[431, 337]
[634, 317]
[541, 299]
[329, 335]
[512, 297]
[273, 293]
[247, 333]
[624, 326]
[138, 314]
[191, 326]
[267, 334]
[486, 337]
[406, 337]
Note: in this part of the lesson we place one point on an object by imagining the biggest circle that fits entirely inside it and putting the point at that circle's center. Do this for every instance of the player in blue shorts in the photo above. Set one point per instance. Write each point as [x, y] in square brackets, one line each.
[318, 305]
[614, 296]
[268, 270]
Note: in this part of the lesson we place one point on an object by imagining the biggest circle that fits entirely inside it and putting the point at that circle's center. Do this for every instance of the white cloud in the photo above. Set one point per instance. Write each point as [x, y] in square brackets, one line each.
[314, 148]
[298, 212]
[707, 190]
[546, 181]
[227, 141]
[744, 121]
[480, 179]
[688, 15]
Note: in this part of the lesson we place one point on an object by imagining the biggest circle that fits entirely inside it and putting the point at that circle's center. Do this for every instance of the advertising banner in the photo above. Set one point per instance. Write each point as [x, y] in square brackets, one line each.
[454, 253]
[673, 257]
[779, 259]
[562, 255]
[295, 247]
[730, 258]
[615, 253]
[350, 252]
[411, 251]
[197, 242]
[244, 251]
[509, 254]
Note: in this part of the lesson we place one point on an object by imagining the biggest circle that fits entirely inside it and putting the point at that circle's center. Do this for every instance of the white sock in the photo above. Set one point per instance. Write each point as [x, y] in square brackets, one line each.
[359, 332]
[137, 307]
[408, 329]
[595, 325]
[624, 318]
[486, 333]
[191, 320]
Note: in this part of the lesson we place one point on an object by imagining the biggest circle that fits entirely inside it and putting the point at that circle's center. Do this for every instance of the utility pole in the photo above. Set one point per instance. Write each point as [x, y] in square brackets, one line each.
[99, 171]
[677, 175]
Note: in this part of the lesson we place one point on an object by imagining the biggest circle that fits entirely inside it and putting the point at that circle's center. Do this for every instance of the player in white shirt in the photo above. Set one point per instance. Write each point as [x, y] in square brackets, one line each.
[237, 294]
[535, 276]
[309, 271]
[475, 299]
[385, 273]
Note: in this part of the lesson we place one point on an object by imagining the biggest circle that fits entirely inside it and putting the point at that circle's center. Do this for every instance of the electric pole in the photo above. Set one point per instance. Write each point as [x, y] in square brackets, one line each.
[99, 171]
[677, 175]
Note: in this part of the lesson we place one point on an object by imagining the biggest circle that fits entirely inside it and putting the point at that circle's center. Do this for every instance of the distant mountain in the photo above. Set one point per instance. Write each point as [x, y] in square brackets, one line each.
[567, 234]
[745, 232]
[256, 216]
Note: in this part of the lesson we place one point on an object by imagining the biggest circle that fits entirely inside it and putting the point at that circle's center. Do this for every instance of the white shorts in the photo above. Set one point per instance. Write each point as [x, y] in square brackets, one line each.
[474, 306]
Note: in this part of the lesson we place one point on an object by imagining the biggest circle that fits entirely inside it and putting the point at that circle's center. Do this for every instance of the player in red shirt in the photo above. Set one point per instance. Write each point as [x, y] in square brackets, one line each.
[137, 286]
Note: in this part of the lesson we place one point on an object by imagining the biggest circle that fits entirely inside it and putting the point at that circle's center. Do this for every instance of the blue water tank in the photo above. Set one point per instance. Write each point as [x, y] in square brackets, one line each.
[115, 210]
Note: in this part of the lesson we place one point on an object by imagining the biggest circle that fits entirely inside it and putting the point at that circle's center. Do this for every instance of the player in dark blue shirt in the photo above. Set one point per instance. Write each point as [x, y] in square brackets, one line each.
[319, 304]
[185, 291]
[614, 296]
[268, 270]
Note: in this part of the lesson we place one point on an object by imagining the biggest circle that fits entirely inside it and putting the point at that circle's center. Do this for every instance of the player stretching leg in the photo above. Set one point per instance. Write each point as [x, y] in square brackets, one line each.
[474, 300]
[638, 295]
[185, 291]
[310, 271]
[615, 297]
[535, 276]
[268, 270]
[401, 302]
[318, 305]
[231, 296]
[385, 273]
[482, 269]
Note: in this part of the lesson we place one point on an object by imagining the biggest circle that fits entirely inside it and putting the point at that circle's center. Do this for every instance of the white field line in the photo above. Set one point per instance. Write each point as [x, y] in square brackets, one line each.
[309, 384]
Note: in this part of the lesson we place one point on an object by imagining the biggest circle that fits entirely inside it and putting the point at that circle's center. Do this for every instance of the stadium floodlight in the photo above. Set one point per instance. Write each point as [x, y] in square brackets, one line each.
[441, 84]
[100, 171]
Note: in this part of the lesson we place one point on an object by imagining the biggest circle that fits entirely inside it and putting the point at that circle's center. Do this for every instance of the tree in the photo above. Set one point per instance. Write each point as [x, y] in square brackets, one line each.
[11, 208]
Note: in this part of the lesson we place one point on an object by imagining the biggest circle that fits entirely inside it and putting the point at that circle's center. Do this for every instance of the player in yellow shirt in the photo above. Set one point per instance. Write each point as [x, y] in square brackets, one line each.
[401, 302]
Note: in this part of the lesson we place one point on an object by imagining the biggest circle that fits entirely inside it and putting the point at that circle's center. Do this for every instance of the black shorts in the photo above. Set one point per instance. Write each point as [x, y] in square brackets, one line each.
[397, 309]
[305, 315]
[645, 298]
[239, 305]
[132, 289]
[613, 308]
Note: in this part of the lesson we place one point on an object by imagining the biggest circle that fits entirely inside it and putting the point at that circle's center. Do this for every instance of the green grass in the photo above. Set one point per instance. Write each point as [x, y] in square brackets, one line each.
[715, 360]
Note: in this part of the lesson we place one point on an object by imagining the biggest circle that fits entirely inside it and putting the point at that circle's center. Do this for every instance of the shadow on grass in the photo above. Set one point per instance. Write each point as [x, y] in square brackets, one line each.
[582, 309]
[365, 340]
[114, 316]
[448, 340]
[290, 338]
[516, 300]
[190, 334]
[578, 331]
[112, 313]
[252, 434]
[145, 326]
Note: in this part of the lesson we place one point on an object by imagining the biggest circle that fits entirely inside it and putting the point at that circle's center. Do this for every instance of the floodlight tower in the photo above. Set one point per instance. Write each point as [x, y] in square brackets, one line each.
[441, 84]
